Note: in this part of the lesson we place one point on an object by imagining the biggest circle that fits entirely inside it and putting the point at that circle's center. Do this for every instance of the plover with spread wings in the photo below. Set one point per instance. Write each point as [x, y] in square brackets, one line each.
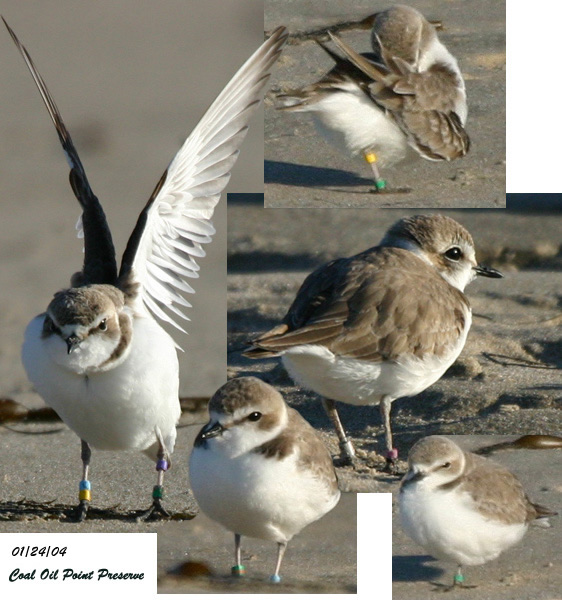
[259, 468]
[382, 324]
[462, 507]
[408, 94]
[98, 355]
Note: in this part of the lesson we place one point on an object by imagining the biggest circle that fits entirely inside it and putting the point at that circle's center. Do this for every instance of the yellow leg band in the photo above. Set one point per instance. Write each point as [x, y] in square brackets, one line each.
[371, 157]
[85, 495]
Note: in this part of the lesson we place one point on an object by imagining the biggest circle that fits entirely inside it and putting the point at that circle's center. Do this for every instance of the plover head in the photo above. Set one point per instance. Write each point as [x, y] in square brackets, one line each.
[441, 242]
[243, 414]
[433, 462]
[404, 32]
[85, 328]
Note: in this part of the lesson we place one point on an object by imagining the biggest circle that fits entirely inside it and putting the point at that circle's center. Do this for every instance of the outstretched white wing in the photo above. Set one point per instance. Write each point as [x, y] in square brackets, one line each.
[176, 221]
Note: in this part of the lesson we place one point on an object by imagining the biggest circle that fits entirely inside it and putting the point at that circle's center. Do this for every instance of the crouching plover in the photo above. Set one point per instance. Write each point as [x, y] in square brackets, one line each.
[462, 507]
[97, 355]
[259, 468]
[383, 324]
[409, 93]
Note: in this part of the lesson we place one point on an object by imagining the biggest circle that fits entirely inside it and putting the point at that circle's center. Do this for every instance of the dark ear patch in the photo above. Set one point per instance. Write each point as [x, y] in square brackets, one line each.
[268, 422]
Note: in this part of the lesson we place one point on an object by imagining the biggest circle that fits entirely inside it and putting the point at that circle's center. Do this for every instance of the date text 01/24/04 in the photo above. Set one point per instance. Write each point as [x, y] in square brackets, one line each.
[43, 551]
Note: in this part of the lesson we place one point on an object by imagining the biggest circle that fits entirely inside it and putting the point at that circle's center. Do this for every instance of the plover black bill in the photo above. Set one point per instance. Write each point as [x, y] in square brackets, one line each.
[259, 469]
[408, 94]
[98, 355]
[462, 507]
[382, 324]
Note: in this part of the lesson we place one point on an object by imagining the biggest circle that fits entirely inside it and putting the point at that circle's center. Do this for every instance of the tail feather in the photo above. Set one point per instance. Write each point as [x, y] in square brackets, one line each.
[256, 352]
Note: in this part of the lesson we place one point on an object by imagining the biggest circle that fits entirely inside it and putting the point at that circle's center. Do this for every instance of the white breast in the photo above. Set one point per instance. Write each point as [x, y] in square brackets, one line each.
[119, 408]
[362, 382]
[354, 124]
[448, 526]
[255, 496]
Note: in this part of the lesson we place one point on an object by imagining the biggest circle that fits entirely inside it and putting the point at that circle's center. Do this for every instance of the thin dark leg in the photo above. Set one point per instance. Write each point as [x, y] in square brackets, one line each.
[84, 494]
[281, 547]
[162, 465]
[346, 447]
[391, 453]
[238, 570]
[380, 183]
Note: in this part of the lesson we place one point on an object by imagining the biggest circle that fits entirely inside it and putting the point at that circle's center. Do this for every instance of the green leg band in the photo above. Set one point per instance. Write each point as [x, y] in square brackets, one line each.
[238, 571]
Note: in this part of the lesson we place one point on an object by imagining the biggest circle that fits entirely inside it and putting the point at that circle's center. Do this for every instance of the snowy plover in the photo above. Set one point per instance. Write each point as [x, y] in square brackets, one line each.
[259, 468]
[383, 324]
[460, 506]
[409, 93]
[97, 355]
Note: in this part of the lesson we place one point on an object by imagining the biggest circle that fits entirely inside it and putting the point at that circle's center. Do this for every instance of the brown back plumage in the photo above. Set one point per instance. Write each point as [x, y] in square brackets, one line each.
[349, 307]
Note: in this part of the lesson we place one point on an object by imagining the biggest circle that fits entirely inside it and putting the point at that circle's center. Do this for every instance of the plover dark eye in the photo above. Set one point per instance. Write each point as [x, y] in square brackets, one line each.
[454, 253]
[446, 465]
[103, 325]
[255, 416]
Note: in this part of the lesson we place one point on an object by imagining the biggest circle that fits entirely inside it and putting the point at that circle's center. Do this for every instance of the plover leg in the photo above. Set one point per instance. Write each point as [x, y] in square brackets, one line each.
[281, 547]
[162, 464]
[346, 447]
[371, 158]
[238, 570]
[84, 494]
[458, 580]
[391, 453]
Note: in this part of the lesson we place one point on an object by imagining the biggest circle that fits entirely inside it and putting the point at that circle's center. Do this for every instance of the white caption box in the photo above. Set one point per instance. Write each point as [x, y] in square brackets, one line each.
[78, 565]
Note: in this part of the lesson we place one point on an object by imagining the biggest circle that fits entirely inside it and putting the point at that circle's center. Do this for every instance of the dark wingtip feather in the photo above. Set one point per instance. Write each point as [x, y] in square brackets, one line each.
[99, 260]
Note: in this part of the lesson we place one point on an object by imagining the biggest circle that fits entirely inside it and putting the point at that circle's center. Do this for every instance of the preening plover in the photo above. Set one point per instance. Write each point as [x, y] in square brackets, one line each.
[408, 93]
[259, 468]
[97, 355]
[383, 324]
[462, 507]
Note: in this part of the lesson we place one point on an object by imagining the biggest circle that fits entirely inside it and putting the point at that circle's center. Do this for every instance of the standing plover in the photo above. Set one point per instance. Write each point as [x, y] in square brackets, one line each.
[462, 507]
[259, 468]
[409, 93]
[383, 324]
[97, 355]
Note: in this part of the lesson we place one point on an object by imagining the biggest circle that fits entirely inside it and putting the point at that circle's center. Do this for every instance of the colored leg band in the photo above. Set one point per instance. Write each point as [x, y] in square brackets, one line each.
[371, 157]
[275, 579]
[380, 184]
[392, 454]
[162, 465]
[84, 493]
[459, 578]
[158, 492]
[238, 571]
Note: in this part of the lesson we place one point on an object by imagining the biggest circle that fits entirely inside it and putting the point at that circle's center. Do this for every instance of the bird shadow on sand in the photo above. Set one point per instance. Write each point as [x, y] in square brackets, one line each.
[414, 568]
[28, 510]
[309, 176]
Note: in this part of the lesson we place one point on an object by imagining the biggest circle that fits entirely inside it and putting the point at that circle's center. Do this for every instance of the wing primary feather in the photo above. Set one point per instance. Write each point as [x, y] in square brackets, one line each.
[175, 222]
[100, 265]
